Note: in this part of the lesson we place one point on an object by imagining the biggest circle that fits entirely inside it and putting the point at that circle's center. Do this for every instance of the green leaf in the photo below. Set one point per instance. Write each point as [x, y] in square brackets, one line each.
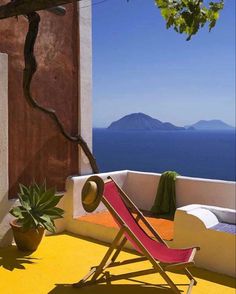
[188, 18]
[34, 198]
[54, 212]
[45, 218]
[50, 226]
[45, 196]
[27, 222]
[52, 202]
[25, 203]
[23, 189]
[17, 212]
[193, 12]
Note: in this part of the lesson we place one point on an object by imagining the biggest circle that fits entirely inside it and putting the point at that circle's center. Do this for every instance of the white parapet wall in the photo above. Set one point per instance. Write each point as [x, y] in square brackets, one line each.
[142, 188]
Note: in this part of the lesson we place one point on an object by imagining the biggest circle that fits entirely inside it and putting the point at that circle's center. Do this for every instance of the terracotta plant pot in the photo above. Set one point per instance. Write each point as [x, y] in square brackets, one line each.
[26, 240]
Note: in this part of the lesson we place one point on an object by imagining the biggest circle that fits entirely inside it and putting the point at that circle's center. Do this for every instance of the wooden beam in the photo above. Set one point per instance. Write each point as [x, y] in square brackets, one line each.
[23, 7]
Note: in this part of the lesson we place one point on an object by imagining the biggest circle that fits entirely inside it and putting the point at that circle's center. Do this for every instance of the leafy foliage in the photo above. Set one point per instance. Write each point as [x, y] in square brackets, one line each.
[188, 16]
[37, 207]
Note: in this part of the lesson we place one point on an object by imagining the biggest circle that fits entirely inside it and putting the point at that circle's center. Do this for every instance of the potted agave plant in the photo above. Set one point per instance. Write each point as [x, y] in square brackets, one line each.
[35, 214]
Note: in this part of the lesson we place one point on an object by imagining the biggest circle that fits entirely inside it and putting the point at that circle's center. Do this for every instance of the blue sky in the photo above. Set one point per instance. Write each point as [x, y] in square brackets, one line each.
[139, 66]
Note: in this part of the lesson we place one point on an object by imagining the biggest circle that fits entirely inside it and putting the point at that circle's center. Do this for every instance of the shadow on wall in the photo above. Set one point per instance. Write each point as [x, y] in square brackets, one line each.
[55, 172]
[6, 235]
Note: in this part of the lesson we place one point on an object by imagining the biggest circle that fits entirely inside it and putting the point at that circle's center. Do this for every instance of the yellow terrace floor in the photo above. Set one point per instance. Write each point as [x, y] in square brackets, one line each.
[64, 259]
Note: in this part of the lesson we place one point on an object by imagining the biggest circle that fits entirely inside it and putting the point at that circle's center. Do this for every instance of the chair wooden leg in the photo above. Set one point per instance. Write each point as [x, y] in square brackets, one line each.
[97, 270]
[190, 287]
[105, 259]
[121, 245]
[85, 278]
[190, 276]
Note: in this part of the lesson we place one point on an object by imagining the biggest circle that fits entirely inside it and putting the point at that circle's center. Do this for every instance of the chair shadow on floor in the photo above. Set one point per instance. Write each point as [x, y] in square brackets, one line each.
[11, 258]
[114, 289]
[198, 273]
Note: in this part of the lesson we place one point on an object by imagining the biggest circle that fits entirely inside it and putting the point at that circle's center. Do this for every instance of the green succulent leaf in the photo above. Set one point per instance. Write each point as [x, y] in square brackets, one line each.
[46, 196]
[25, 202]
[33, 199]
[38, 207]
[17, 212]
[50, 226]
[36, 187]
[45, 218]
[52, 202]
[23, 190]
[54, 212]
[27, 222]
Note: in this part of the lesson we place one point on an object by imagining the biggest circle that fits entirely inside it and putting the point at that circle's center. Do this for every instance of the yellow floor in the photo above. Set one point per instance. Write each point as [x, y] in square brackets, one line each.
[64, 259]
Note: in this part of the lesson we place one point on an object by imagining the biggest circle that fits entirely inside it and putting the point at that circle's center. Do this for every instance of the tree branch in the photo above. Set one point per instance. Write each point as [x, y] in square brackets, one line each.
[29, 71]
[24, 7]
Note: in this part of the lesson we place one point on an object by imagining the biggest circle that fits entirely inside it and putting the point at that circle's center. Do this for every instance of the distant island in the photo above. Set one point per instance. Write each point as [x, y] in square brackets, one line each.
[143, 122]
[140, 122]
[214, 124]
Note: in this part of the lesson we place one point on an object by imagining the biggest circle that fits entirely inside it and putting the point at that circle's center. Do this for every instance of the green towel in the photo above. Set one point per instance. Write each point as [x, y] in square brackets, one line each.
[165, 202]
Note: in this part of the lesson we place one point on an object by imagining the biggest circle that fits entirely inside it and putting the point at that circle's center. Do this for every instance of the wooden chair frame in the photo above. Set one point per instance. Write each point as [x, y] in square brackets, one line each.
[98, 273]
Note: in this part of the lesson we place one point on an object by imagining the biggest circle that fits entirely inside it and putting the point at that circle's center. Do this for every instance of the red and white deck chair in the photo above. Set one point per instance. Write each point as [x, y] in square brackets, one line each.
[161, 257]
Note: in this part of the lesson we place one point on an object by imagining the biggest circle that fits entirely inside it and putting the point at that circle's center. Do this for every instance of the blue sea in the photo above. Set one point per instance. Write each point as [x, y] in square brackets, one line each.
[204, 154]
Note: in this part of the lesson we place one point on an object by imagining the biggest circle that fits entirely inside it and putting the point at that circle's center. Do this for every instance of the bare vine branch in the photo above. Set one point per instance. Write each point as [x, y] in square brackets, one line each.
[25, 7]
[29, 71]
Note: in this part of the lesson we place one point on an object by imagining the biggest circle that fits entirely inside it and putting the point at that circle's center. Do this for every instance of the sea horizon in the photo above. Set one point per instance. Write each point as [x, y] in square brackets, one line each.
[206, 154]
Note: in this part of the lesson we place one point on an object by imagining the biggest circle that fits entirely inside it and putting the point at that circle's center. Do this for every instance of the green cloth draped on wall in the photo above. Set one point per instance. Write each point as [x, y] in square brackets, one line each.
[165, 202]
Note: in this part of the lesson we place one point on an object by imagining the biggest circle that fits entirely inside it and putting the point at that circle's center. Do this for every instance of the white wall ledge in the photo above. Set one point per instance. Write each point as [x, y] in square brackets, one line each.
[194, 225]
[142, 187]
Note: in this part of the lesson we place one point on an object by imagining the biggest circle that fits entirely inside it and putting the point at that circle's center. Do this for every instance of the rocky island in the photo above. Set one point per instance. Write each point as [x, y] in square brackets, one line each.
[214, 124]
[141, 122]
